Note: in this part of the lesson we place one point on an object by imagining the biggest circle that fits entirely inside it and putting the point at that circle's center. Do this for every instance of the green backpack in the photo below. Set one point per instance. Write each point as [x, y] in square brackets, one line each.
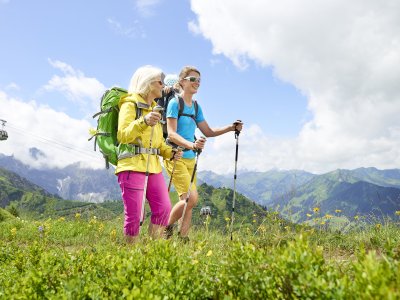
[107, 125]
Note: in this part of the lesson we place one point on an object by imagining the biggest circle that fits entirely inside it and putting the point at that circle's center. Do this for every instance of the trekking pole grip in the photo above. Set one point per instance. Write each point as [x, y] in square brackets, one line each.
[237, 132]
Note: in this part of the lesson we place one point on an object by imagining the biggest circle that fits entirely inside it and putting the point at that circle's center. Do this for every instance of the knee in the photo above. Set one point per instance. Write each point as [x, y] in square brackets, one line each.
[160, 215]
[193, 199]
[165, 209]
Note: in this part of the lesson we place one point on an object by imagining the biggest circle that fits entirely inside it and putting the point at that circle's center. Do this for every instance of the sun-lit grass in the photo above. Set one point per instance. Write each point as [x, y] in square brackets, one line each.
[77, 258]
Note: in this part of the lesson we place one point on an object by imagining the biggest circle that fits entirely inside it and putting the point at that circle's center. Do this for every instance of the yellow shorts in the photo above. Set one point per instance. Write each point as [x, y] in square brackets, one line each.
[182, 174]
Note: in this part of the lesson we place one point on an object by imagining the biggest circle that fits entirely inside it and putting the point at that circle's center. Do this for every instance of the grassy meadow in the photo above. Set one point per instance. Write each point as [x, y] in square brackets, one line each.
[86, 257]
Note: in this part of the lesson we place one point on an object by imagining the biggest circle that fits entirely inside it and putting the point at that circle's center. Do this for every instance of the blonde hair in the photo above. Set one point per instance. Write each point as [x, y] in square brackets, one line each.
[142, 78]
[186, 70]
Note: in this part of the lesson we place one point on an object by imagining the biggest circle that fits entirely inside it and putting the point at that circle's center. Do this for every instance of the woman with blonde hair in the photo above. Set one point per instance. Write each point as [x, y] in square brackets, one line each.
[141, 143]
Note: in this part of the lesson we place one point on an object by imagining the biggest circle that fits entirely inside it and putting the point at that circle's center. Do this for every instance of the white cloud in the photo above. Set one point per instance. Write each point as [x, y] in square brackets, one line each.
[61, 139]
[135, 31]
[12, 86]
[76, 86]
[146, 7]
[343, 56]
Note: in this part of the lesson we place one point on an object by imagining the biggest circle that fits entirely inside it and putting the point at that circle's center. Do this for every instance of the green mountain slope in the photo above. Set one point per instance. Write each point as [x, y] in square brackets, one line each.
[219, 200]
[261, 187]
[340, 190]
[33, 201]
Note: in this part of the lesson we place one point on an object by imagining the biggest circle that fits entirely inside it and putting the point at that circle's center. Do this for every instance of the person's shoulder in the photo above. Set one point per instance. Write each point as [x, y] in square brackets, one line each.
[174, 101]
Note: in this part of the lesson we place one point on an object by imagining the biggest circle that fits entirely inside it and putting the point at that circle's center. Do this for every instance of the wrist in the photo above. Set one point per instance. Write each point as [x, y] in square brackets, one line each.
[194, 148]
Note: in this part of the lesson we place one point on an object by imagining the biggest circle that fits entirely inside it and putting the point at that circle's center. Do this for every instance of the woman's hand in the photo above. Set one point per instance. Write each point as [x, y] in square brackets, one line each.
[237, 126]
[199, 143]
[152, 118]
[177, 154]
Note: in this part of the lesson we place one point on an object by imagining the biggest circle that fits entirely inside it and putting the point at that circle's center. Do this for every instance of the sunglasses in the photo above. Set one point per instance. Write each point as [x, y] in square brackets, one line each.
[159, 82]
[193, 79]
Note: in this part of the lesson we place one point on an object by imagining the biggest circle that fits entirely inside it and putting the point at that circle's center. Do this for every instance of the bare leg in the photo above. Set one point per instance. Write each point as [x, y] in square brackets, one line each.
[177, 212]
[155, 231]
[130, 239]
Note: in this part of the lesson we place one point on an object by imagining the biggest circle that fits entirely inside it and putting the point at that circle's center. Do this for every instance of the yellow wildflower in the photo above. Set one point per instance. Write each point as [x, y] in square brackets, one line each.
[397, 212]
[328, 216]
[309, 215]
[61, 219]
[378, 226]
[356, 217]
[209, 253]
[113, 234]
[338, 211]
[316, 209]
[14, 231]
[77, 216]
[195, 261]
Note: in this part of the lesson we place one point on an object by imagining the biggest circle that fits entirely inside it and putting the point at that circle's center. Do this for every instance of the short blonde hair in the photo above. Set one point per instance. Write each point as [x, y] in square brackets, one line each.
[142, 78]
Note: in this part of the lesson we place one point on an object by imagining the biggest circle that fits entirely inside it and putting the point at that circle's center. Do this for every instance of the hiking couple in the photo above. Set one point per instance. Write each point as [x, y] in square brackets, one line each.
[140, 174]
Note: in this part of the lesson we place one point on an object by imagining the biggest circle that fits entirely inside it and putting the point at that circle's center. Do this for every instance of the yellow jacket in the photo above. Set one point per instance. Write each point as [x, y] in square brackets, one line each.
[135, 131]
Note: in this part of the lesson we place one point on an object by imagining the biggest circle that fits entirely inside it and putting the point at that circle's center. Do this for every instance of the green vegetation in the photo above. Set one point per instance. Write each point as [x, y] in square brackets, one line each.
[57, 249]
[87, 258]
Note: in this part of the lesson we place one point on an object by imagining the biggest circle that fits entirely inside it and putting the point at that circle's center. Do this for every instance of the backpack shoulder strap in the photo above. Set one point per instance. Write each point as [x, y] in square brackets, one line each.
[196, 108]
[182, 106]
[139, 107]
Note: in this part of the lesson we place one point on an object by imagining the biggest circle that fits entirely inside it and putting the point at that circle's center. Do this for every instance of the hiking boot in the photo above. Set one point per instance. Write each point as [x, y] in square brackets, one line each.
[169, 231]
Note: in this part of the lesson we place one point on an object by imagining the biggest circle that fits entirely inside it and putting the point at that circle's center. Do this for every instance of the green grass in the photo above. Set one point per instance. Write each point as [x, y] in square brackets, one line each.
[87, 258]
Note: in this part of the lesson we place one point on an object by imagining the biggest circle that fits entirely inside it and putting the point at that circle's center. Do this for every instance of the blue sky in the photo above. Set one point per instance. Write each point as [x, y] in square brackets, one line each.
[315, 84]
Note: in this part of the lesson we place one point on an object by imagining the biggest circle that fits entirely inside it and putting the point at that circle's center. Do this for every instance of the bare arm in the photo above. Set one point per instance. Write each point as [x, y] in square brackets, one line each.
[211, 132]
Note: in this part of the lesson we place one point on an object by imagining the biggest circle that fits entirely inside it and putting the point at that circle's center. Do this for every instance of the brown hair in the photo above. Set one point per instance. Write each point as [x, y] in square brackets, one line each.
[186, 70]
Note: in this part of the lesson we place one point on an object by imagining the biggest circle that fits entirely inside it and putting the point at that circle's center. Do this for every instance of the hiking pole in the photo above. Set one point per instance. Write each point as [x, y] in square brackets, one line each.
[198, 152]
[158, 109]
[175, 148]
[237, 132]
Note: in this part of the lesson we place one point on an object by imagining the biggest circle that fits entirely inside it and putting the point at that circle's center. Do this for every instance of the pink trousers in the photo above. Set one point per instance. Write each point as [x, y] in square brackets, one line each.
[132, 186]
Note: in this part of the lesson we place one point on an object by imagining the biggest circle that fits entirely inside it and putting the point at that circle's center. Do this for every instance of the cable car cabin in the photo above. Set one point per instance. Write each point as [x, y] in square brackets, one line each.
[3, 135]
[205, 211]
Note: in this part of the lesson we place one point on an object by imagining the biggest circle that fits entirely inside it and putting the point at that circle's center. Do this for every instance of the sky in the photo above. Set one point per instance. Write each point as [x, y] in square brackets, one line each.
[316, 83]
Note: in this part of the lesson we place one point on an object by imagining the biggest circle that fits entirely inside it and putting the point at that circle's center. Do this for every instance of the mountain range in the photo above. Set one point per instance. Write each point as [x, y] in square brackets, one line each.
[293, 193]
[72, 182]
[20, 197]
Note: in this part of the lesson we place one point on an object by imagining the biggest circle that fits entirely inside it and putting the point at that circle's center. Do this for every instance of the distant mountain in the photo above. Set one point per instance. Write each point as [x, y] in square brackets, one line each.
[261, 187]
[72, 182]
[388, 178]
[31, 200]
[366, 191]
[340, 190]
[14, 187]
[219, 200]
[293, 193]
